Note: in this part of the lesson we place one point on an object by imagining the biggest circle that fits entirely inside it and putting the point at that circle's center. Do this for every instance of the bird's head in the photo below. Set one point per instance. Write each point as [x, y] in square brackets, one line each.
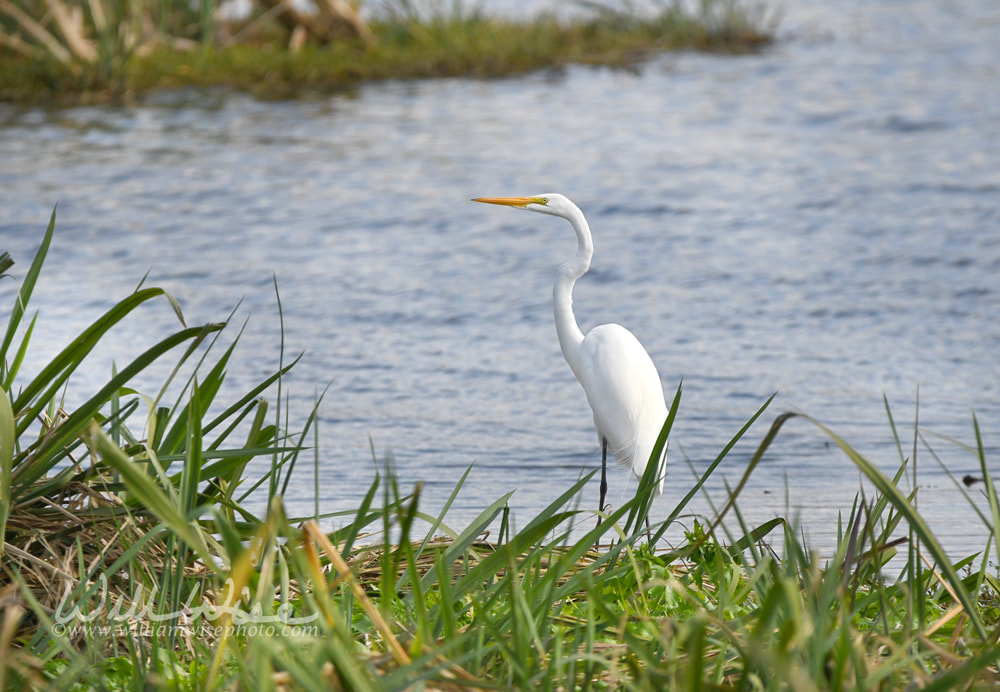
[548, 203]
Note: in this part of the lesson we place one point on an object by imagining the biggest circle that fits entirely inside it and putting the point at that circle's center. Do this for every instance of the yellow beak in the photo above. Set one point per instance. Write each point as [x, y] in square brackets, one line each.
[508, 201]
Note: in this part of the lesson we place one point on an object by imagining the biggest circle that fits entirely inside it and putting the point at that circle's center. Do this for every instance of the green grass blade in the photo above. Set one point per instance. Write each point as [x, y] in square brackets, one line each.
[192, 454]
[311, 420]
[444, 510]
[991, 490]
[145, 489]
[752, 537]
[435, 524]
[24, 296]
[560, 503]
[468, 537]
[15, 365]
[711, 467]
[772, 433]
[650, 480]
[53, 448]
[956, 677]
[923, 532]
[7, 428]
[52, 376]
[249, 396]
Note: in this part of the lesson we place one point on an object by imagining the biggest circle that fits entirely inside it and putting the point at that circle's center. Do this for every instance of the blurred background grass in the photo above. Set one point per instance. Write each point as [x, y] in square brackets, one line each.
[114, 49]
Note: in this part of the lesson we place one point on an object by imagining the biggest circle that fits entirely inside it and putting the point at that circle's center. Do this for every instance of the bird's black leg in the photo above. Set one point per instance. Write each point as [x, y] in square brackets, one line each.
[604, 476]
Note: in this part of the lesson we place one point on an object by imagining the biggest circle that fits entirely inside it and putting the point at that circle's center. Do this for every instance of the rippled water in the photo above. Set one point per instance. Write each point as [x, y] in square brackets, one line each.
[820, 220]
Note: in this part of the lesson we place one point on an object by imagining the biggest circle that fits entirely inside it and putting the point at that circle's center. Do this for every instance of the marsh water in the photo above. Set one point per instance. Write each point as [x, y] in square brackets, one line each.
[820, 220]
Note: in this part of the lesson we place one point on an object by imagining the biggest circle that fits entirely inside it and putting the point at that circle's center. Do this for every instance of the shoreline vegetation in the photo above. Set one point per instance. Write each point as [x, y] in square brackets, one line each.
[131, 558]
[71, 51]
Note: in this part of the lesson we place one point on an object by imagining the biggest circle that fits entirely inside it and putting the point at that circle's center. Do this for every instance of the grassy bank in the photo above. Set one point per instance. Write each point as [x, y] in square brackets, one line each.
[130, 559]
[116, 51]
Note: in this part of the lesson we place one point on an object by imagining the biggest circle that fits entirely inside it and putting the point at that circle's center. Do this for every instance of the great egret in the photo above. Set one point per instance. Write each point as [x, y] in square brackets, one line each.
[618, 376]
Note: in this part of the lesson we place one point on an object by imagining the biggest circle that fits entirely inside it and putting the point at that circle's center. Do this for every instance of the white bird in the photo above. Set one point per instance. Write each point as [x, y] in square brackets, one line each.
[622, 384]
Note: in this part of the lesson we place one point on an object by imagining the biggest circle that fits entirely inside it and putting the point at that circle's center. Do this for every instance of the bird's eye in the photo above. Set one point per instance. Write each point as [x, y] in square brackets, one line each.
[543, 200]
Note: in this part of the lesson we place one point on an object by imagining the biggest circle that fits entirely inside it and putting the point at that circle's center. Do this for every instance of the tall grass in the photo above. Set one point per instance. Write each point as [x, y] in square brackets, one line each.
[131, 561]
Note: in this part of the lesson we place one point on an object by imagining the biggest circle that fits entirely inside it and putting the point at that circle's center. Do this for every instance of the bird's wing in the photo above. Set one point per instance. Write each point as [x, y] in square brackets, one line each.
[624, 391]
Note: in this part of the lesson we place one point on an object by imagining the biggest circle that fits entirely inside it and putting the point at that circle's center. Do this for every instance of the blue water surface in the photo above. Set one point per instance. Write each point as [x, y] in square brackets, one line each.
[820, 220]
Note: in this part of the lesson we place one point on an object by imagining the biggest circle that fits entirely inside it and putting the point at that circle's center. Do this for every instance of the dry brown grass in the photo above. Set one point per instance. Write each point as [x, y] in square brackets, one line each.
[81, 538]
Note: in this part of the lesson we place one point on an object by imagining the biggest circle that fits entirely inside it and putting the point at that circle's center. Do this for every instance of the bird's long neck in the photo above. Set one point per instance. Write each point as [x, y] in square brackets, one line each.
[570, 336]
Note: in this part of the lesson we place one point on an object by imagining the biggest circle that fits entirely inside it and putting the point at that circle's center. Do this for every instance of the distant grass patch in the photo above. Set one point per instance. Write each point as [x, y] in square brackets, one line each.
[400, 45]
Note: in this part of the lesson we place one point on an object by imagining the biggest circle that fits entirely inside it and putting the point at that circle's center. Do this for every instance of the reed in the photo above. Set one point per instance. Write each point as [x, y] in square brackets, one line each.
[131, 560]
